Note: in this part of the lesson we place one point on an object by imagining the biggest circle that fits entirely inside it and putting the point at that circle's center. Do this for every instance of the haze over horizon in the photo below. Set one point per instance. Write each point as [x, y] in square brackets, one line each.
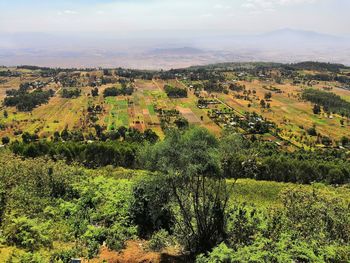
[164, 33]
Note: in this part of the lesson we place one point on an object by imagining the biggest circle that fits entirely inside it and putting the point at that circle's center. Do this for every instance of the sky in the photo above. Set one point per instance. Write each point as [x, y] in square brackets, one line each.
[131, 17]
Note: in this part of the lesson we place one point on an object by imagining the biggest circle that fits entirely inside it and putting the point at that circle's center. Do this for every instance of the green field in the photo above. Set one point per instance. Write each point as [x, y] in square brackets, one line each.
[118, 114]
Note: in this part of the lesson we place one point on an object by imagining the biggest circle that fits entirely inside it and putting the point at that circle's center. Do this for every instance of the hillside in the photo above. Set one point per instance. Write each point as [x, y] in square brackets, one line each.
[220, 163]
[81, 209]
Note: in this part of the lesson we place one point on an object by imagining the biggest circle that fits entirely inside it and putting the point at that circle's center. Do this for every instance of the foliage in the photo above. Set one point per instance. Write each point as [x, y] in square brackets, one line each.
[159, 240]
[26, 233]
[191, 164]
[71, 93]
[5, 140]
[124, 90]
[150, 208]
[91, 155]
[290, 233]
[175, 92]
[25, 101]
[185, 195]
[330, 101]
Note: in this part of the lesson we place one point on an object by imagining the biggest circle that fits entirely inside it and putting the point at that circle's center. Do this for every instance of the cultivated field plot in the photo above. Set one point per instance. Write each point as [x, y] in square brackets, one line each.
[58, 114]
[118, 113]
[150, 96]
[292, 115]
[149, 107]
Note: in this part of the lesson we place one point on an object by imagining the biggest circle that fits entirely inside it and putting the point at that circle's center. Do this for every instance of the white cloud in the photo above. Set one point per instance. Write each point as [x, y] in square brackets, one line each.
[68, 12]
[271, 5]
[219, 6]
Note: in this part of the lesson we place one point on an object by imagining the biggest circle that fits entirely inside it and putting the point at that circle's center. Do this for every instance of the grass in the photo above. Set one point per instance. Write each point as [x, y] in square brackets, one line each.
[118, 113]
[266, 193]
[151, 109]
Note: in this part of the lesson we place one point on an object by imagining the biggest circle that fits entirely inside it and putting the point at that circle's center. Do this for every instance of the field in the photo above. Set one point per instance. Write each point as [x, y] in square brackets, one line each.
[291, 115]
[289, 112]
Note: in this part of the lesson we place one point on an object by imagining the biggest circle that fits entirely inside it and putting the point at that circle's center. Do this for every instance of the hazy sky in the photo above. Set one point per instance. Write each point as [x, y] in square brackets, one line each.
[132, 16]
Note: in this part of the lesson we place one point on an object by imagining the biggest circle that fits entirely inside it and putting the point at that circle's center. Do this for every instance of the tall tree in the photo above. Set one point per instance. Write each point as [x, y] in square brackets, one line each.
[190, 161]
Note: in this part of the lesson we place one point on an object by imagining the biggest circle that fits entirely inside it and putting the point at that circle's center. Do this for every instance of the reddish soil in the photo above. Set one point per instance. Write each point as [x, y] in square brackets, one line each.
[136, 252]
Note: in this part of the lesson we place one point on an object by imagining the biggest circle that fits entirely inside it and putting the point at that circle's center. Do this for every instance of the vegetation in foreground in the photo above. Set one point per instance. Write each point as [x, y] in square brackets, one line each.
[52, 211]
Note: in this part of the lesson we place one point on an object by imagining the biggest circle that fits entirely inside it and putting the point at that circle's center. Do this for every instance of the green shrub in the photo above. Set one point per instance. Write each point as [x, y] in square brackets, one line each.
[64, 256]
[150, 209]
[27, 233]
[118, 234]
[159, 240]
[30, 258]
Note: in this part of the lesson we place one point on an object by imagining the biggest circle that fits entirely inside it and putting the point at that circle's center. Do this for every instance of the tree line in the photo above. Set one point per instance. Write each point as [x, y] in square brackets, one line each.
[240, 157]
[329, 101]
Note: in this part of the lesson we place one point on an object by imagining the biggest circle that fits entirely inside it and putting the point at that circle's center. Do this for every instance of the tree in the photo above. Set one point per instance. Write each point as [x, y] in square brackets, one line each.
[344, 141]
[94, 92]
[262, 103]
[175, 92]
[268, 96]
[5, 140]
[326, 141]
[181, 123]
[27, 137]
[190, 161]
[151, 136]
[316, 109]
[150, 207]
[71, 93]
[312, 131]
[65, 134]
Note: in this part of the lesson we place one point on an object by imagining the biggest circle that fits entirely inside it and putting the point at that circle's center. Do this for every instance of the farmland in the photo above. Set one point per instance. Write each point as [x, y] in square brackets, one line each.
[149, 107]
[121, 165]
[140, 110]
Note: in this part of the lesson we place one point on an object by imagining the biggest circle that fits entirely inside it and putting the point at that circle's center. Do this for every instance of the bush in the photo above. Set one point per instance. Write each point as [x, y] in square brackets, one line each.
[221, 253]
[31, 258]
[244, 223]
[118, 234]
[94, 237]
[159, 240]
[150, 209]
[64, 256]
[27, 233]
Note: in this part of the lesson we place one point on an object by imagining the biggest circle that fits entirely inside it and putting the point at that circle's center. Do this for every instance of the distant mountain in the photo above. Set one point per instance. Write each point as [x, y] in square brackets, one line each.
[155, 52]
[288, 32]
[292, 36]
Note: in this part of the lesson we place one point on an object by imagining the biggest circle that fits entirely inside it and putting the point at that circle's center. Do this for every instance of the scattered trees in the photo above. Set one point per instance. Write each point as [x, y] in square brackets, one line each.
[25, 101]
[71, 93]
[175, 92]
[114, 91]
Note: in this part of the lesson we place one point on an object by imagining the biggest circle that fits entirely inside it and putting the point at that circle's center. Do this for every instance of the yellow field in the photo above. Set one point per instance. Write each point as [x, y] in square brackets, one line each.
[289, 112]
[292, 115]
